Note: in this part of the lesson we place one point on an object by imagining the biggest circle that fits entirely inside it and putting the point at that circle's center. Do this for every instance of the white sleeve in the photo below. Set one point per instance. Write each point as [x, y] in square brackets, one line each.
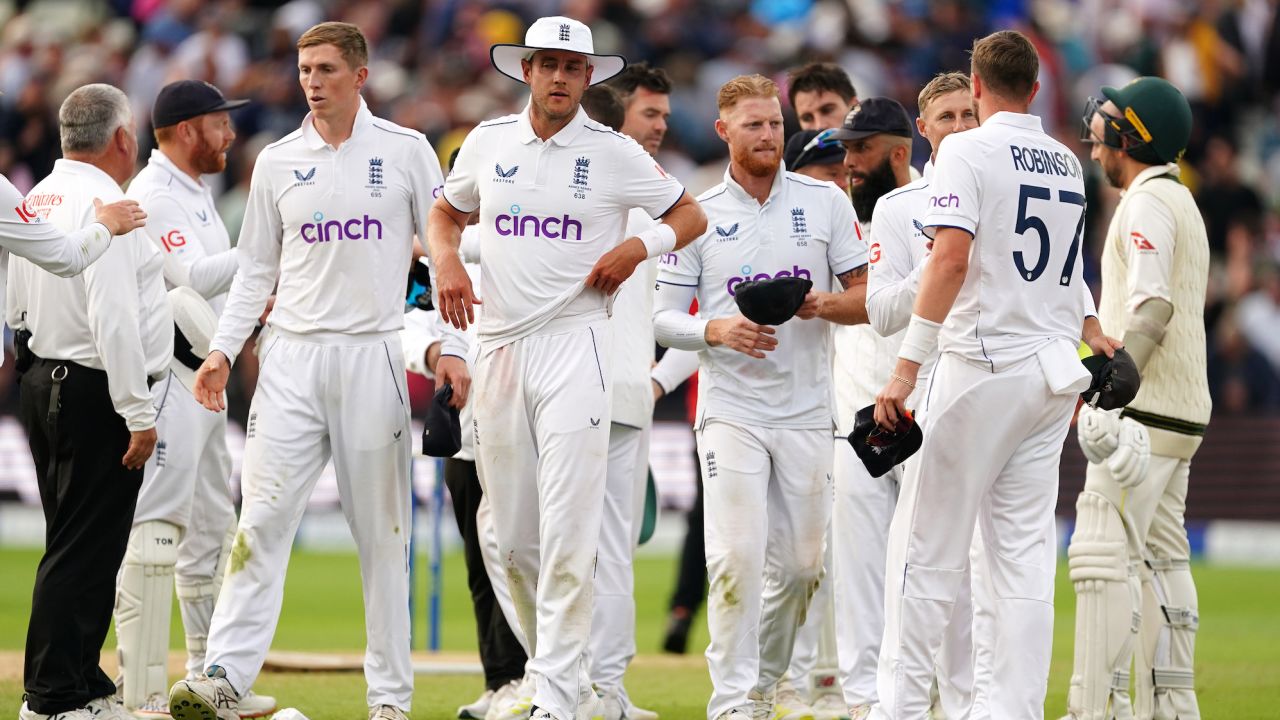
[639, 181]
[679, 274]
[1150, 238]
[1086, 300]
[260, 242]
[955, 193]
[461, 187]
[674, 368]
[418, 335]
[15, 293]
[428, 181]
[111, 293]
[892, 281]
[846, 249]
[26, 235]
[185, 261]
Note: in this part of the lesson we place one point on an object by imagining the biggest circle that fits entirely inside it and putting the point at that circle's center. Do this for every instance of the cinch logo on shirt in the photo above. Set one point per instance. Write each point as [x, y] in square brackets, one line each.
[950, 201]
[554, 228]
[353, 229]
[795, 271]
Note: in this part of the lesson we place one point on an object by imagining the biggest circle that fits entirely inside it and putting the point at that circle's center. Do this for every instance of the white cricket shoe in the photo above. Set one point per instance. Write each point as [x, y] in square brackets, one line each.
[207, 698]
[788, 703]
[830, 706]
[477, 709]
[589, 707]
[26, 713]
[253, 705]
[108, 707]
[860, 712]
[386, 712]
[155, 707]
[512, 701]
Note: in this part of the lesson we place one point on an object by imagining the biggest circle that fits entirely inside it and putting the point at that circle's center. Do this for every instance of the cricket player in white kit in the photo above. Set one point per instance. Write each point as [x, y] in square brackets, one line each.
[764, 420]
[1006, 208]
[644, 94]
[553, 189]
[877, 142]
[1129, 526]
[185, 518]
[333, 209]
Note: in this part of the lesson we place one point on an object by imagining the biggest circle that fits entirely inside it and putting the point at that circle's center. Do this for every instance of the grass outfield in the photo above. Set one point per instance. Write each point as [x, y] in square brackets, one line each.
[1238, 653]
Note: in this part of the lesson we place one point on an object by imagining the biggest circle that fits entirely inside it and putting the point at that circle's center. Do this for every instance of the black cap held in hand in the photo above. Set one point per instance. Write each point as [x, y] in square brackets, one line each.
[773, 301]
[1115, 380]
[442, 429]
[185, 99]
[874, 116]
[880, 449]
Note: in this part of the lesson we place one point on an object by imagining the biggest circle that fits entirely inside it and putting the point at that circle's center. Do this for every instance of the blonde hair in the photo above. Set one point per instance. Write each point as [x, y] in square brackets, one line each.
[344, 36]
[942, 84]
[743, 87]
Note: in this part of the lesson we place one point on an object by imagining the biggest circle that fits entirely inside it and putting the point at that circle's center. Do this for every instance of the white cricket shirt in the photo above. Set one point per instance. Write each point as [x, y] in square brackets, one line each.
[336, 226]
[548, 211]
[183, 222]
[115, 316]
[1020, 193]
[806, 228]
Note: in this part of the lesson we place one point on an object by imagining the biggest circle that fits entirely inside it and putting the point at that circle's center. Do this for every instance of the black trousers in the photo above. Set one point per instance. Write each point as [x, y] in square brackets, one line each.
[691, 578]
[88, 498]
[500, 653]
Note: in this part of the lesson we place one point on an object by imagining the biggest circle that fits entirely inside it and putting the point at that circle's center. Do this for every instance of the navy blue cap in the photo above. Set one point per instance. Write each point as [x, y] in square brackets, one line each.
[874, 116]
[185, 99]
[812, 147]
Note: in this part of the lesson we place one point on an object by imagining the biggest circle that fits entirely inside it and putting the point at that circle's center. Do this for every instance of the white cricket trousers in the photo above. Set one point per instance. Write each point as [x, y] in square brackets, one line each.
[613, 621]
[767, 503]
[542, 446]
[990, 456]
[863, 510]
[185, 483]
[318, 396]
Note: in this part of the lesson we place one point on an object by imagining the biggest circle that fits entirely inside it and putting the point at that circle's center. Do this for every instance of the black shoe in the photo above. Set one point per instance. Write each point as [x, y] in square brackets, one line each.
[677, 640]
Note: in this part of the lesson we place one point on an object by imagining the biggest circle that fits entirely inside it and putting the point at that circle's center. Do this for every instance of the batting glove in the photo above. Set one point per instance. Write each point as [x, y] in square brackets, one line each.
[1129, 463]
[1098, 432]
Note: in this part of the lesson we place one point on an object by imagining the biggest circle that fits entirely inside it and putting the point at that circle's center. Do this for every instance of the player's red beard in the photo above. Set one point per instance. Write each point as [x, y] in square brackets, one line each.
[755, 165]
[206, 159]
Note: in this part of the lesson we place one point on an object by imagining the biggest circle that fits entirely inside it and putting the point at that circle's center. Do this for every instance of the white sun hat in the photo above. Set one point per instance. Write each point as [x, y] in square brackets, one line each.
[555, 33]
[194, 325]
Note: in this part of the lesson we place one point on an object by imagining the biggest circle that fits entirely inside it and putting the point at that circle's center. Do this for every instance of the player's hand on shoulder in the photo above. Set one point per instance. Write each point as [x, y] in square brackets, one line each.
[739, 333]
[211, 382]
[615, 266]
[452, 370]
[121, 216]
[455, 296]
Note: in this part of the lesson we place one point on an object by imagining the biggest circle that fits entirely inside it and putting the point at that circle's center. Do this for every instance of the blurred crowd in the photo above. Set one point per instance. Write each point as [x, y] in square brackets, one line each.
[429, 69]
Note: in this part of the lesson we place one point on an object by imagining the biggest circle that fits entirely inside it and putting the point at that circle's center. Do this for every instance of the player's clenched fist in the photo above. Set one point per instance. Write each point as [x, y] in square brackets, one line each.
[891, 403]
[455, 296]
[615, 266]
[742, 335]
[211, 381]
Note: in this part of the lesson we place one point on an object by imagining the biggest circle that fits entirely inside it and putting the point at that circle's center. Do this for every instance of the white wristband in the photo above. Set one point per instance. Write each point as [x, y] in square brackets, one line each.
[658, 240]
[920, 340]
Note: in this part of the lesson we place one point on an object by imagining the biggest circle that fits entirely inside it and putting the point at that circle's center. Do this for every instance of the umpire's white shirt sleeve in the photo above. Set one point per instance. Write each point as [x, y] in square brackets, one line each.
[259, 265]
[25, 234]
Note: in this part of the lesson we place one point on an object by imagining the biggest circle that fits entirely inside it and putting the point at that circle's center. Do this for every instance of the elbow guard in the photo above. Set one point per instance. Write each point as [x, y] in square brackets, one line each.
[1146, 329]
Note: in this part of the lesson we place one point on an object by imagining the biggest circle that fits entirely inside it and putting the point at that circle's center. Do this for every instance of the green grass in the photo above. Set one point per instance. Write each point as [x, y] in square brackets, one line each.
[1238, 648]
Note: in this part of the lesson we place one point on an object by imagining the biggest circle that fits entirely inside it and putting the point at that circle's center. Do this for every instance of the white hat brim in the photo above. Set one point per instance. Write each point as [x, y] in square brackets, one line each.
[506, 59]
